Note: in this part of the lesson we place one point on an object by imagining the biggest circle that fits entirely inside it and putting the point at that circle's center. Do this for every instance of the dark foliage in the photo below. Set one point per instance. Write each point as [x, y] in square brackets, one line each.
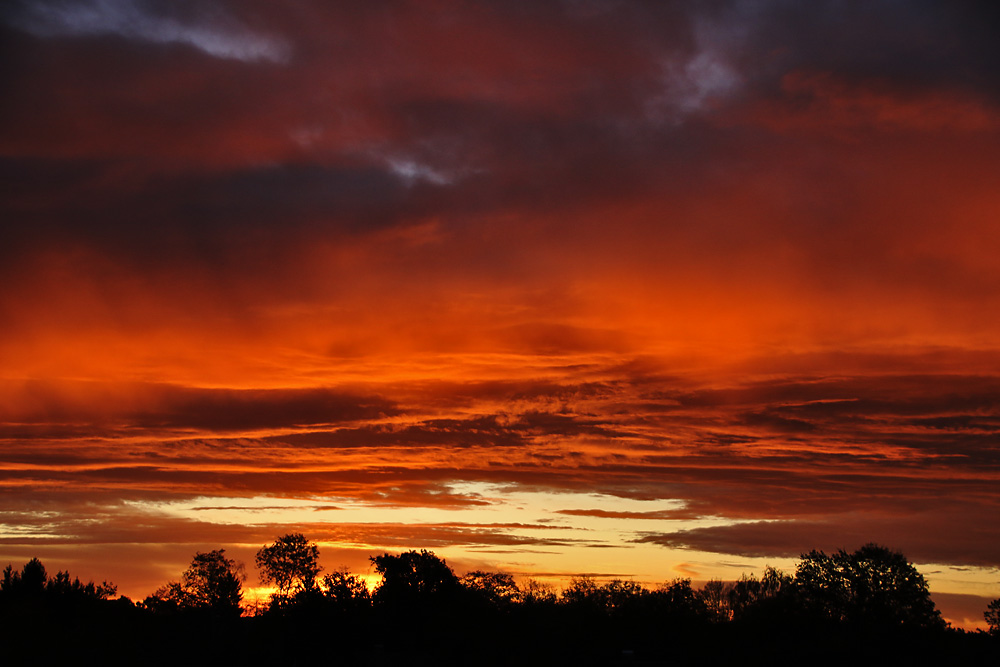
[213, 583]
[493, 589]
[291, 564]
[992, 616]
[32, 584]
[346, 591]
[414, 578]
[863, 608]
[873, 587]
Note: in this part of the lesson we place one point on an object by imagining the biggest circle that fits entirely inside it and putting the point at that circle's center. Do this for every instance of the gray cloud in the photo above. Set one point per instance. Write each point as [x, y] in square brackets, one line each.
[210, 30]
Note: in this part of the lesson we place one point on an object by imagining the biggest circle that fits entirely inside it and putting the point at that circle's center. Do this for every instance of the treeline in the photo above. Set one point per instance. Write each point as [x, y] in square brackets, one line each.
[867, 607]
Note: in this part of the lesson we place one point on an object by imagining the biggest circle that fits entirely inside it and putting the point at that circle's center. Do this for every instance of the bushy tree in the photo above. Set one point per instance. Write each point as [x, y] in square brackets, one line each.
[345, 590]
[614, 597]
[212, 582]
[498, 589]
[872, 586]
[750, 595]
[291, 564]
[537, 594]
[215, 581]
[412, 577]
[678, 601]
[582, 592]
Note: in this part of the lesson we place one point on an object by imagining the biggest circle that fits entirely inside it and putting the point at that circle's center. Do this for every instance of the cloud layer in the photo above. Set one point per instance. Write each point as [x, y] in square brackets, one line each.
[725, 267]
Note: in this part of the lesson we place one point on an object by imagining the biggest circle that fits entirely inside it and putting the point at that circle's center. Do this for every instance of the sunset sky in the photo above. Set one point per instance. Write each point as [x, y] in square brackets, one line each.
[634, 289]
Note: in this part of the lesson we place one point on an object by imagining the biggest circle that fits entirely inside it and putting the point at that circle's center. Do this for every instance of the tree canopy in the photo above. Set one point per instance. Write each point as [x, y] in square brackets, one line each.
[495, 588]
[291, 564]
[345, 590]
[874, 586]
[413, 576]
[212, 582]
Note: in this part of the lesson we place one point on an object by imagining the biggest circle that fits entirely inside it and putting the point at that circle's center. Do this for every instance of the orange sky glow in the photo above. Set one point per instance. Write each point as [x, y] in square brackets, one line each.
[646, 290]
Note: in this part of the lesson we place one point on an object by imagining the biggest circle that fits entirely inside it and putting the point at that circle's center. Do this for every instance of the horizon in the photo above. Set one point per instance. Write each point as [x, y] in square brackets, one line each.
[652, 291]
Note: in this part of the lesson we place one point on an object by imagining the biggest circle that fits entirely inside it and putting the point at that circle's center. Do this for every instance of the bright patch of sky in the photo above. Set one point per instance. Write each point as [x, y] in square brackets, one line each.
[597, 545]
[531, 511]
[548, 545]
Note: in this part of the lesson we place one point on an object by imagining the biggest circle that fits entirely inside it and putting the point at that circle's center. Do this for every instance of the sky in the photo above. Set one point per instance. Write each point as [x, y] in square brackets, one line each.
[631, 289]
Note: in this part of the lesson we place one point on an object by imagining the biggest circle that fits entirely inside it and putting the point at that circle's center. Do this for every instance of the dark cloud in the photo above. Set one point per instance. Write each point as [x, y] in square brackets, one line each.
[924, 44]
[203, 218]
[927, 537]
[253, 409]
[138, 407]
[484, 431]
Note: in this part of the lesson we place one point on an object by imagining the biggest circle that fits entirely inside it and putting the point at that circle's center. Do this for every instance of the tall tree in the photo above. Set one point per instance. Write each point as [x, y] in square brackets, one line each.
[212, 582]
[291, 564]
[215, 581]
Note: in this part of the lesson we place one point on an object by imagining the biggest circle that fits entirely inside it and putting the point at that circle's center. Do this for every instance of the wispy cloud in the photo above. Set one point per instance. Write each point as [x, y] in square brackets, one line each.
[209, 29]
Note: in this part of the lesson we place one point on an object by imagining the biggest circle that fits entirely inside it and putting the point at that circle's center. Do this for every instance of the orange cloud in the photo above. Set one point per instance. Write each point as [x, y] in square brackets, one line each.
[426, 261]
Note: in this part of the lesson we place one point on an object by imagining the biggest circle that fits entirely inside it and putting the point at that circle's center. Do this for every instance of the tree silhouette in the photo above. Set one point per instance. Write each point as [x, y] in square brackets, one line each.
[537, 594]
[169, 597]
[716, 595]
[749, 596]
[872, 586]
[498, 589]
[33, 582]
[866, 607]
[290, 564]
[212, 582]
[678, 601]
[992, 616]
[412, 577]
[616, 597]
[582, 593]
[215, 581]
[29, 582]
[346, 591]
